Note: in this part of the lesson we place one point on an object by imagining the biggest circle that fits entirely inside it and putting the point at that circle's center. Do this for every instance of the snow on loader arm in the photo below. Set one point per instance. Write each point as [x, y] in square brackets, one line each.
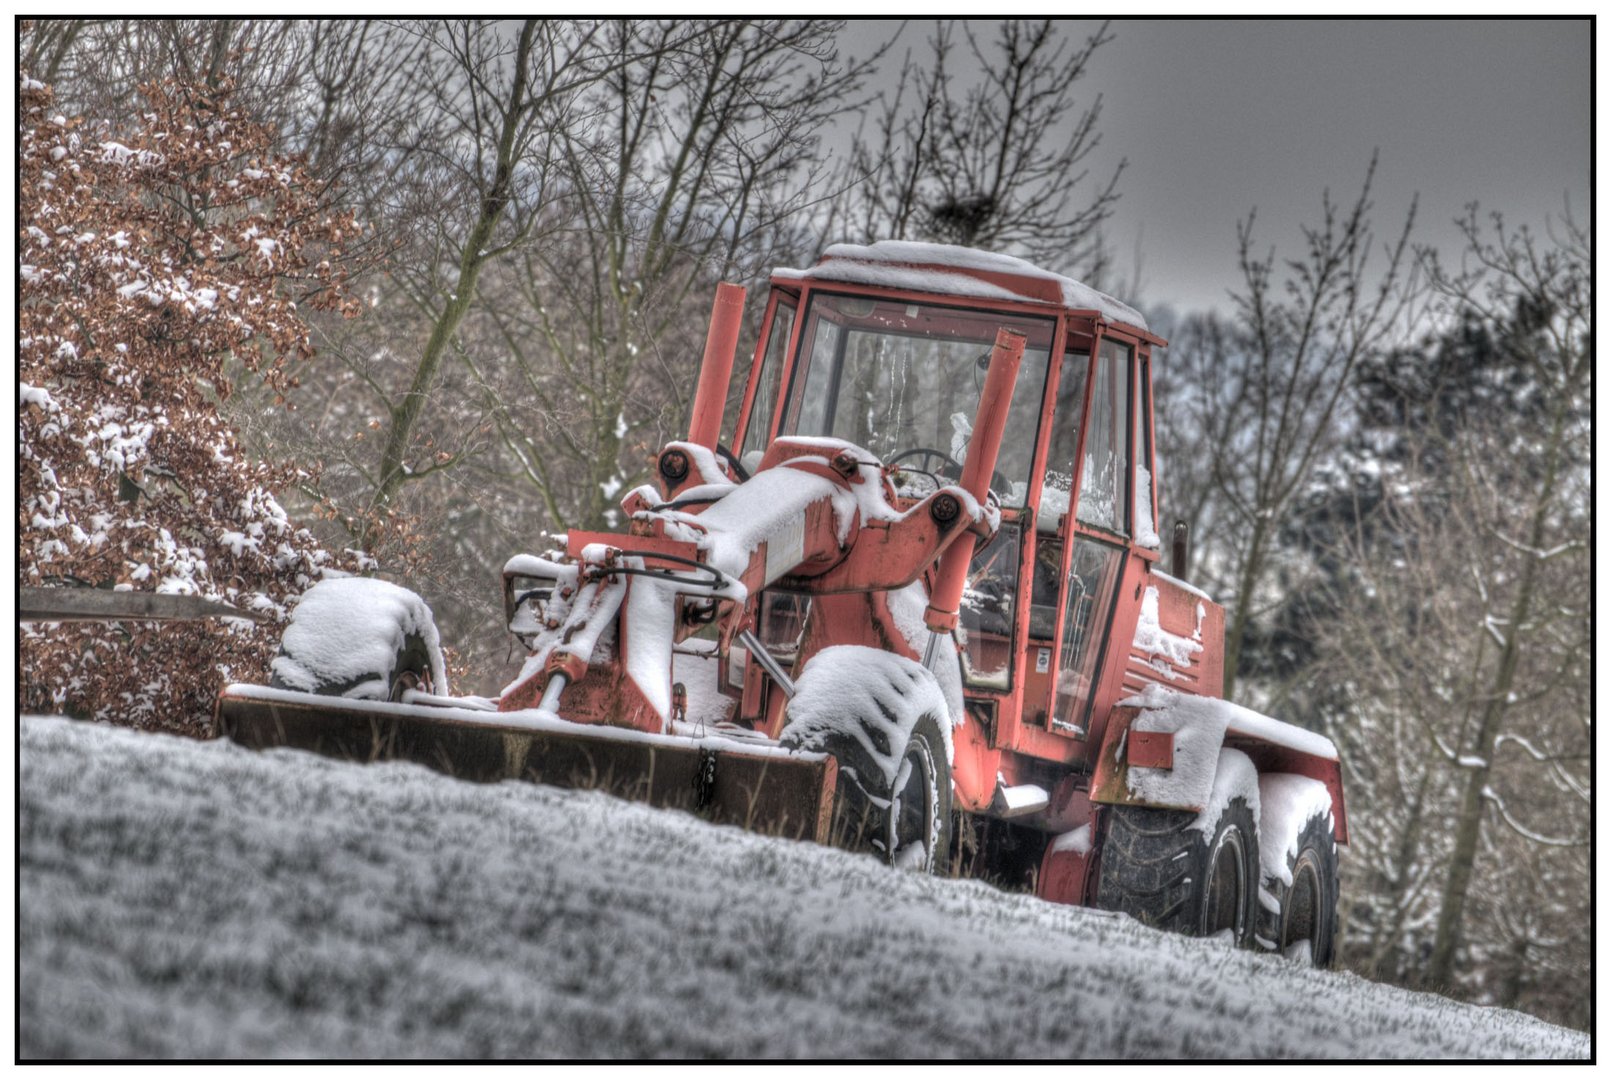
[600, 701]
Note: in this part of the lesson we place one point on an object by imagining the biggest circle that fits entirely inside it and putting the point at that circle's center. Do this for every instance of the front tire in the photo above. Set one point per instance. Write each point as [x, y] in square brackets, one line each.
[1159, 868]
[879, 715]
[904, 819]
[914, 831]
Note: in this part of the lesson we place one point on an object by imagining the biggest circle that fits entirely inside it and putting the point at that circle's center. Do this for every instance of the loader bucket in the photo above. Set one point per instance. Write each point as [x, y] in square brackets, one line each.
[761, 788]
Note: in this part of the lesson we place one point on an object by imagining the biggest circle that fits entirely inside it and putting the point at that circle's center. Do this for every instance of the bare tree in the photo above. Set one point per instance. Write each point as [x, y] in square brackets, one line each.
[527, 374]
[1263, 394]
[1531, 610]
[100, 64]
[1186, 448]
[999, 164]
[45, 47]
[1452, 637]
[698, 155]
[497, 101]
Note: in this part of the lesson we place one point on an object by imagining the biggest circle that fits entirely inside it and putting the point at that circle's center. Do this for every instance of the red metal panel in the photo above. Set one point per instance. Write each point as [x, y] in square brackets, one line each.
[1177, 615]
[1269, 758]
[1151, 749]
[1067, 875]
[1109, 689]
[1048, 745]
[1139, 674]
[1063, 875]
[577, 539]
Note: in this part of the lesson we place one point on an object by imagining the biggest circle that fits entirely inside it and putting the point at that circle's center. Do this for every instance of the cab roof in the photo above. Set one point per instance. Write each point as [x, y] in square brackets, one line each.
[959, 271]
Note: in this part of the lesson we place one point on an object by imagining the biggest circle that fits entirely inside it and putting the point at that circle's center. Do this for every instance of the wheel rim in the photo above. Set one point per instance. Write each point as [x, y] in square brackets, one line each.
[1299, 920]
[1225, 902]
[912, 812]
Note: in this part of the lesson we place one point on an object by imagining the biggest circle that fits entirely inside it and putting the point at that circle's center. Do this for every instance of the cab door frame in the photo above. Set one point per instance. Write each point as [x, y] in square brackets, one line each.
[1072, 742]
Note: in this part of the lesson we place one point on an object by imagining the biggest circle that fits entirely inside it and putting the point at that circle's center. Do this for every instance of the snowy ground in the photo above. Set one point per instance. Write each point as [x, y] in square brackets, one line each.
[179, 898]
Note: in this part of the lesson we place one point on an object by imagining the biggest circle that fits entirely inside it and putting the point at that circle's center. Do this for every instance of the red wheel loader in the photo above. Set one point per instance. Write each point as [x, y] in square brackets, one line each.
[914, 605]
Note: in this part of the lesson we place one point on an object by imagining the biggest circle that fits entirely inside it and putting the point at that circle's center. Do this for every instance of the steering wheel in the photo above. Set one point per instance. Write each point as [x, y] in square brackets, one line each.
[951, 468]
[930, 457]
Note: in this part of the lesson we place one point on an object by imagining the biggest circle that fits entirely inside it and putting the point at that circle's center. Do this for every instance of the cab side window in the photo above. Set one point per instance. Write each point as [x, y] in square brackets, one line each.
[1105, 473]
[759, 431]
[1059, 479]
[1146, 530]
[1093, 579]
[1057, 489]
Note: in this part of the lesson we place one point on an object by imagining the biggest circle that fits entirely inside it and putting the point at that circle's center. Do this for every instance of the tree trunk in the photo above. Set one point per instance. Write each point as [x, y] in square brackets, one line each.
[1409, 846]
[1515, 981]
[405, 415]
[1468, 830]
[1242, 613]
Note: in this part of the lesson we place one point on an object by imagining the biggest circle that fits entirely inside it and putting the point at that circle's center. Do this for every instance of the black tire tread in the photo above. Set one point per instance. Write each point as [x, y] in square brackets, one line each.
[1146, 865]
[856, 817]
[1317, 834]
[1153, 866]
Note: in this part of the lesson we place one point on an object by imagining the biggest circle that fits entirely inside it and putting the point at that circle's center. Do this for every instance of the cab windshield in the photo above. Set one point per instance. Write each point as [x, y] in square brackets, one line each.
[902, 380]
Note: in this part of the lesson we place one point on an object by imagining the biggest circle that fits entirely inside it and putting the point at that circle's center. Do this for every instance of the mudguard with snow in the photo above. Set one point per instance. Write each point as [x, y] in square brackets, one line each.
[1204, 834]
[1163, 750]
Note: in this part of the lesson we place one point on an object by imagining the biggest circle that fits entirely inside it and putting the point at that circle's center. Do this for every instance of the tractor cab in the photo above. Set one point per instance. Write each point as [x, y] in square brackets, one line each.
[887, 347]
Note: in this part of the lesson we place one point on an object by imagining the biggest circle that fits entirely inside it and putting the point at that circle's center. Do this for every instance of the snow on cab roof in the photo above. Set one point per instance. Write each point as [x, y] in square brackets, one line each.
[904, 264]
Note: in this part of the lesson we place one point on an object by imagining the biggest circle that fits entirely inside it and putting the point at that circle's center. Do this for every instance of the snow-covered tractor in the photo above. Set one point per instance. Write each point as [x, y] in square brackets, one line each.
[914, 606]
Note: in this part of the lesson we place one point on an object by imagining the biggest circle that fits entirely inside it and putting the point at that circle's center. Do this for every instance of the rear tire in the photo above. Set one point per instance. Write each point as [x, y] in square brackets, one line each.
[1308, 922]
[1159, 869]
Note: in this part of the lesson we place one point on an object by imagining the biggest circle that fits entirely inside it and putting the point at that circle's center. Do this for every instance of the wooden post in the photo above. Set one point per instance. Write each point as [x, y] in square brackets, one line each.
[69, 604]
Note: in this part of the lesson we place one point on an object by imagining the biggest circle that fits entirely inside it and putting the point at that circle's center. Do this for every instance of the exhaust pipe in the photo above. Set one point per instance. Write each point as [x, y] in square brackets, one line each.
[716, 369]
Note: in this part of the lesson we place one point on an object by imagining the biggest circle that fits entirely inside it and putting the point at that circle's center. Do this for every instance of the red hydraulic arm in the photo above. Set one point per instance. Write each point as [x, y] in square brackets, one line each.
[983, 448]
[716, 370]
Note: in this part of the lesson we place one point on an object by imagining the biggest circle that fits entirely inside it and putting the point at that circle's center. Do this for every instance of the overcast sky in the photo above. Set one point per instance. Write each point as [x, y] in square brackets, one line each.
[1218, 117]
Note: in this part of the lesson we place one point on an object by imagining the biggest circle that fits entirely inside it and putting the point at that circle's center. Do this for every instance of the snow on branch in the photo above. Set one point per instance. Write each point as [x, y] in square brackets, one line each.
[1493, 796]
[1540, 555]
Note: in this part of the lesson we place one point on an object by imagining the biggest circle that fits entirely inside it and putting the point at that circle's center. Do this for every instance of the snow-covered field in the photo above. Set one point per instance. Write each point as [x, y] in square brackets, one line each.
[179, 898]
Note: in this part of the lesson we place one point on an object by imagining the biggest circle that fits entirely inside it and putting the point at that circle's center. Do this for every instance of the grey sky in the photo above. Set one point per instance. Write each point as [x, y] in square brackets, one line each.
[1217, 117]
